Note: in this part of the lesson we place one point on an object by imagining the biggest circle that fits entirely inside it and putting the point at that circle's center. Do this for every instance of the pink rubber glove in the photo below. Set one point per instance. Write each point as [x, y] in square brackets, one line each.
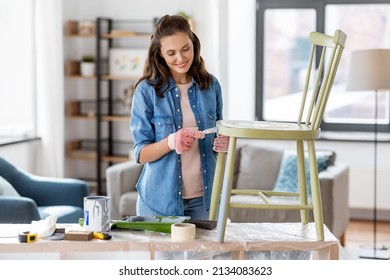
[182, 140]
[221, 143]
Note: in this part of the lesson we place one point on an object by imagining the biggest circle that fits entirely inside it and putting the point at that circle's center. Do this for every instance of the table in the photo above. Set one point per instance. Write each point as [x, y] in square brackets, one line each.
[242, 241]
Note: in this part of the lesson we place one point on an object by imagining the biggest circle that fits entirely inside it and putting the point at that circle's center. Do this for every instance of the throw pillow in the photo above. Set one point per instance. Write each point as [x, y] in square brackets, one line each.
[287, 180]
[6, 188]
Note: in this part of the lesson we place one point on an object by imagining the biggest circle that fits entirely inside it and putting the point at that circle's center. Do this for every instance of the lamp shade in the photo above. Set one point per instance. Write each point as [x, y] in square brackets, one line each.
[369, 70]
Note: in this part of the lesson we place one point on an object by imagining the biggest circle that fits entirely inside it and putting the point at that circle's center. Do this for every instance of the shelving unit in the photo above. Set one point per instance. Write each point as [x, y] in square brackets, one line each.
[107, 111]
[80, 105]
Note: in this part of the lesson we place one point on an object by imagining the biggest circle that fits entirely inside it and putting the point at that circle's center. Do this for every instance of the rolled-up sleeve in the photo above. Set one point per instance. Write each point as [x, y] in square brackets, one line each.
[140, 122]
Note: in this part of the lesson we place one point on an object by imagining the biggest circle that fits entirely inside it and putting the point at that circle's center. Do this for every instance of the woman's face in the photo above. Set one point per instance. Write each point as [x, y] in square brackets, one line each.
[178, 52]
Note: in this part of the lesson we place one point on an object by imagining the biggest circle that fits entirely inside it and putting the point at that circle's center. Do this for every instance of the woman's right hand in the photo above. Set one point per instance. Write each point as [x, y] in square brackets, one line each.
[182, 140]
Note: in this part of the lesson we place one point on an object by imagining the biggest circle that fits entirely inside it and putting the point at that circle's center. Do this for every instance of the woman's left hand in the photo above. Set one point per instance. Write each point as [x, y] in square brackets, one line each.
[221, 143]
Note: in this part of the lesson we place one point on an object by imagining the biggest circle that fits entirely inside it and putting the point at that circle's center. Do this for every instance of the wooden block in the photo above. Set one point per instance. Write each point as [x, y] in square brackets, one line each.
[78, 235]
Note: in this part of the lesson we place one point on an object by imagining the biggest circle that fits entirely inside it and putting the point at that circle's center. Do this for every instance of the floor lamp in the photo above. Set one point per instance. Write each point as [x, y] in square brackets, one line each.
[370, 71]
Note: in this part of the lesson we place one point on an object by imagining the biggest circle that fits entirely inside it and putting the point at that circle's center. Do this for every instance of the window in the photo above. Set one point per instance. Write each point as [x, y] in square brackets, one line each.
[17, 99]
[286, 52]
[282, 54]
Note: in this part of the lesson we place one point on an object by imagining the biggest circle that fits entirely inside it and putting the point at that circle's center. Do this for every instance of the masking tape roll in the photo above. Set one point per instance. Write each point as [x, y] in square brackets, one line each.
[183, 231]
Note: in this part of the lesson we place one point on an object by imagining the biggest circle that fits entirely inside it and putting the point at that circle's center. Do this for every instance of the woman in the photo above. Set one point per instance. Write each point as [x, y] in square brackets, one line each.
[175, 99]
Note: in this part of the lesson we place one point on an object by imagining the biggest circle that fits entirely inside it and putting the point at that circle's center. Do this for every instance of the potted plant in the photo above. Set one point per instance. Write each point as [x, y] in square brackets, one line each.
[87, 65]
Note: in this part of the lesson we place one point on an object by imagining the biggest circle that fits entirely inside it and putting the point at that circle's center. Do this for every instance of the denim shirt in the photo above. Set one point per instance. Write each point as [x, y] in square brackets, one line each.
[152, 119]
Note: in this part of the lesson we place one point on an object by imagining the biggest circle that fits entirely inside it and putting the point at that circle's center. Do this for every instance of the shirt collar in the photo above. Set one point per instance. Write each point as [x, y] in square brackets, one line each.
[173, 85]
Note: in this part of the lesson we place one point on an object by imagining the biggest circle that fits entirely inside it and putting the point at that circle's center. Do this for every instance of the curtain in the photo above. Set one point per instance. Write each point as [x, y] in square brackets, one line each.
[49, 86]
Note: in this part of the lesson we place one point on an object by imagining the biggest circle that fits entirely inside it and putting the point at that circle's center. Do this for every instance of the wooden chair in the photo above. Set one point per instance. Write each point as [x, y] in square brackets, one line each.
[304, 130]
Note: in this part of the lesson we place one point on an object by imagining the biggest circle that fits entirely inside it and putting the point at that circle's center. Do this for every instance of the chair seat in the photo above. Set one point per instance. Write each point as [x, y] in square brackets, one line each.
[267, 130]
[64, 213]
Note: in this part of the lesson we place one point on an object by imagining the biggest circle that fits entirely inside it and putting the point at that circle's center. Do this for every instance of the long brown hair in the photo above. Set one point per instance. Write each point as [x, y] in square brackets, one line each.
[156, 71]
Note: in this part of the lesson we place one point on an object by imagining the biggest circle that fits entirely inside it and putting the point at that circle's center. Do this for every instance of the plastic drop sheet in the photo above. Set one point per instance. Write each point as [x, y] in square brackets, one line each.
[265, 241]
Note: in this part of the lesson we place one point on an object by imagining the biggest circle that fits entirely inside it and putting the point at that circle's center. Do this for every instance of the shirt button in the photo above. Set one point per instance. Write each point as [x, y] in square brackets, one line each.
[179, 177]
[204, 171]
[179, 192]
[205, 187]
[190, 90]
[179, 126]
[203, 155]
[198, 121]
[176, 89]
[193, 106]
[177, 95]
[178, 110]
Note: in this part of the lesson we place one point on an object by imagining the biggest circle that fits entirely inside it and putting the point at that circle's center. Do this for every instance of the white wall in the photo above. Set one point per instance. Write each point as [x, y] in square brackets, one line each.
[240, 101]
[360, 157]
[22, 155]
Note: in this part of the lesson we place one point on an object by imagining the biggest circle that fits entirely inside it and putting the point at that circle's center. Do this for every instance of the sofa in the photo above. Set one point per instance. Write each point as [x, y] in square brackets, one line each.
[25, 197]
[256, 166]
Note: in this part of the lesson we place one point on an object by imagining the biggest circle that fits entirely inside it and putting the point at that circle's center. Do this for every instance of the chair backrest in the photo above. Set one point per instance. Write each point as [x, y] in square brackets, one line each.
[321, 84]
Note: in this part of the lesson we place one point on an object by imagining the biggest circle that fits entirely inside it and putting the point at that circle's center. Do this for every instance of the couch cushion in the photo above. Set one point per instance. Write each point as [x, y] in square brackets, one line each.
[64, 213]
[259, 167]
[6, 188]
[18, 210]
[128, 204]
[287, 180]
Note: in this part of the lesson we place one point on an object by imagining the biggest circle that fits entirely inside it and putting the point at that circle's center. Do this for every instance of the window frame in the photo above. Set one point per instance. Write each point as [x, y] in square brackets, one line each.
[319, 6]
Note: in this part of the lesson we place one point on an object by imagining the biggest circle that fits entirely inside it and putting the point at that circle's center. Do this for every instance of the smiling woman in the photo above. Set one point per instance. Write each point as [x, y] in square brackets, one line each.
[175, 97]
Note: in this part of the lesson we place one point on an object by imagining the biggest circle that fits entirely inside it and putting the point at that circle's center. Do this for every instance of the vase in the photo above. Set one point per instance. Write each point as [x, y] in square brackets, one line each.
[87, 68]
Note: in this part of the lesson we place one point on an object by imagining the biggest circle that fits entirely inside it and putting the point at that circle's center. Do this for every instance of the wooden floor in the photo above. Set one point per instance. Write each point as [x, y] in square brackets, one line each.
[362, 232]
[360, 235]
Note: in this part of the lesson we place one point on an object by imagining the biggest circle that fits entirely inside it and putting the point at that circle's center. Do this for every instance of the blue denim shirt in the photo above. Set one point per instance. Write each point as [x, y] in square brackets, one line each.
[152, 119]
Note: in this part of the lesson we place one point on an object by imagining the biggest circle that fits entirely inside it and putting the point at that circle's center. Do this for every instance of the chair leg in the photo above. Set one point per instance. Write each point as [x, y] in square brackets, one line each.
[226, 190]
[315, 192]
[217, 185]
[302, 181]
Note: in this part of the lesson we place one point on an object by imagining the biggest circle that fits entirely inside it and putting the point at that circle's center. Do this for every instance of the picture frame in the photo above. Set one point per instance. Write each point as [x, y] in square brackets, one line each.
[127, 62]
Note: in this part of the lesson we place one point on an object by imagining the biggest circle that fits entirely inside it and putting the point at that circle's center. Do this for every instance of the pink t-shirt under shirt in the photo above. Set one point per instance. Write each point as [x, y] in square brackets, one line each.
[190, 161]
